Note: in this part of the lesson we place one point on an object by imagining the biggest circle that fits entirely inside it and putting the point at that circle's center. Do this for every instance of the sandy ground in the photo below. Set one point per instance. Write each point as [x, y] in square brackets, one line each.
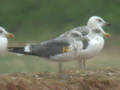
[108, 79]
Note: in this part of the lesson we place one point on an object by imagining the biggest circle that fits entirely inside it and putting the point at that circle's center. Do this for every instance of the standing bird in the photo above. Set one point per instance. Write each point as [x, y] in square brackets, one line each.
[3, 40]
[92, 36]
[74, 44]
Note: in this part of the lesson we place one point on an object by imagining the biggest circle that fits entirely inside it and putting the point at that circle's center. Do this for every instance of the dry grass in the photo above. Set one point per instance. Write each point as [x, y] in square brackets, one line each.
[108, 79]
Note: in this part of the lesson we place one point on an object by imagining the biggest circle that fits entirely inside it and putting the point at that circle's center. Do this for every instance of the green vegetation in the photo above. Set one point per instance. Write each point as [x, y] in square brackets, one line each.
[51, 17]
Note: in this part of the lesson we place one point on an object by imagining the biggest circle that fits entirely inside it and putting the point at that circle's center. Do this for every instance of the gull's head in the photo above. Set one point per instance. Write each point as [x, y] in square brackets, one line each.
[4, 33]
[96, 22]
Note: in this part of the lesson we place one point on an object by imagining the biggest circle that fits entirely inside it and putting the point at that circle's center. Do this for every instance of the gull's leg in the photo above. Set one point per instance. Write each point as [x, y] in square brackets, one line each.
[82, 64]
[60, 67]
[61, 74]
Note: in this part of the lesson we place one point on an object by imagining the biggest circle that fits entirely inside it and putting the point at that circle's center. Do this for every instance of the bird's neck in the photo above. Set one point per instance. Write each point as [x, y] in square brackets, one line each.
[92, 26]
[93, 35]
[2, 36]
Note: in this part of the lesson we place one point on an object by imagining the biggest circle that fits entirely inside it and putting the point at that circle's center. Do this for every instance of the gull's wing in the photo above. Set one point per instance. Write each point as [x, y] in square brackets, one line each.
[77, 32]
[56, 46]
[45, 49]
[84, 30]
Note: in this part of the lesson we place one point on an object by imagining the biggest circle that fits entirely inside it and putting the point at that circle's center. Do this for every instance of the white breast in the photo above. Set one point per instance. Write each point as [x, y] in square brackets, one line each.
[96, 44]
[3, 44]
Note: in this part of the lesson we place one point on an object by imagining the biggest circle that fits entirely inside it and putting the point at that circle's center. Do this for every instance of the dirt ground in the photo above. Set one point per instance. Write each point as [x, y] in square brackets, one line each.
[108, 79]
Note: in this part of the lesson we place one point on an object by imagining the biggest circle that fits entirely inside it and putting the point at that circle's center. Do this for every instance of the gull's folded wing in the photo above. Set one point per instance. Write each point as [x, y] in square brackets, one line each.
[45, 49]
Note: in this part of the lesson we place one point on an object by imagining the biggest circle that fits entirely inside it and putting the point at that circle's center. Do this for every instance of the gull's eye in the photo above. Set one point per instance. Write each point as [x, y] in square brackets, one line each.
[99, 20]
[1, 31]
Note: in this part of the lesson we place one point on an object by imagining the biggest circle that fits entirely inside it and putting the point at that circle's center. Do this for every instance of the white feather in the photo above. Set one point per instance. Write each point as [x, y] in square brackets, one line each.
[27, 48]
[3, 44]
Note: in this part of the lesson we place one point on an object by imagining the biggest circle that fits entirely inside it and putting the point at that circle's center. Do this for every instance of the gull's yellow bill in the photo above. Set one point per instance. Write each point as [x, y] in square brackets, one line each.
[10, 35]
[107, 35]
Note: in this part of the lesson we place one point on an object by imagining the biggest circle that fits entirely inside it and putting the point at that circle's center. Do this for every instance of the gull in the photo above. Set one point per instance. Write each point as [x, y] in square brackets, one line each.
[76, 44]
[92, 37]
[3, 39]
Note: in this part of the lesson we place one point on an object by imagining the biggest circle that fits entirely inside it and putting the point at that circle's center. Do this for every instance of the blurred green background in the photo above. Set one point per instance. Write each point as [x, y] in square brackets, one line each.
[39, 20]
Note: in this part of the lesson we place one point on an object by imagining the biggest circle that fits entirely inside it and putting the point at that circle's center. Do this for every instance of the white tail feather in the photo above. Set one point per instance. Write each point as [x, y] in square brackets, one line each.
[27, 48]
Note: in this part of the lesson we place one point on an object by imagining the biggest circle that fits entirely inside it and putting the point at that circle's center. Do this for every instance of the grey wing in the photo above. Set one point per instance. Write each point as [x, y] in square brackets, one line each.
[76, 32]
[83, 30]
[50, 48]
